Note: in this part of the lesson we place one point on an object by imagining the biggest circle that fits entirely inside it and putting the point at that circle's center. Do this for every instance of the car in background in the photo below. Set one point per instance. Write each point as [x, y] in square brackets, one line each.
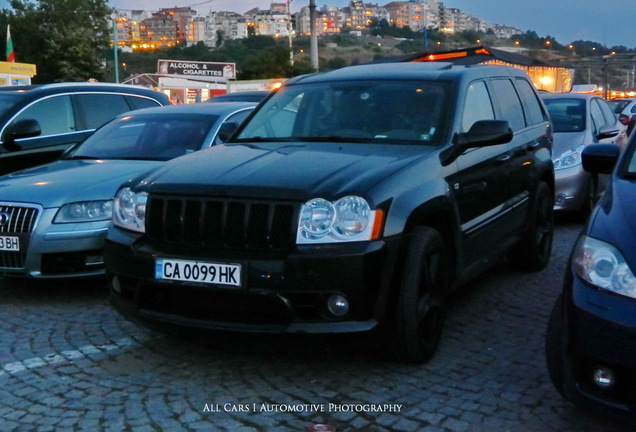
[243, 96]
[625, 110]
[39, 122]
[579, 120]
[591, 336]
[53, 218]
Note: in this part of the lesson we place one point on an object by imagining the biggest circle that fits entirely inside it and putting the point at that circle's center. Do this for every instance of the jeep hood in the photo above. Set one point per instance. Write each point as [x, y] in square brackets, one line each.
[283, 170]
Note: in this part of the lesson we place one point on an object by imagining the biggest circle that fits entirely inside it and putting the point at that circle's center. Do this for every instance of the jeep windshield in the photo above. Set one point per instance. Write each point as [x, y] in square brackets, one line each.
[370, 111]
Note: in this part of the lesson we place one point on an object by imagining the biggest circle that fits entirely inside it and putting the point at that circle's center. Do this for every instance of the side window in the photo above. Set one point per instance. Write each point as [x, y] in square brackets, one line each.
[97, 109]
[55, 115]
[509, 103]
[477, 106]
[530, 100]
[610, 117]
[236, 119]
[598, 121]
[137, 102]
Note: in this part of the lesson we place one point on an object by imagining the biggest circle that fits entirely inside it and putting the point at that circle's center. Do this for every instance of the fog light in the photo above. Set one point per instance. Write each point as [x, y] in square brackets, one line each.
[560, 199]
[338, 305]
[604, 377]
[93, 260]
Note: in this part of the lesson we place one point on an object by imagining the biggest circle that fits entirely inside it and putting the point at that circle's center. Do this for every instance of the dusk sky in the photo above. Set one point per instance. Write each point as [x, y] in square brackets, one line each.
[609, 22]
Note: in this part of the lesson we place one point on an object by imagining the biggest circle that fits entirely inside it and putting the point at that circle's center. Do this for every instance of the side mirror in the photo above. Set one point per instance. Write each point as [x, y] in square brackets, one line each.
[607, 132]
[226, 130]
[482, 133]
[600, 158]
[485, 133]
[21, 129]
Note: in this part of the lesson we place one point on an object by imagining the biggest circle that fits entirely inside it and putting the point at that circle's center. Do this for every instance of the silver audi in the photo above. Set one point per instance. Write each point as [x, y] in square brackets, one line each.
[53, 218]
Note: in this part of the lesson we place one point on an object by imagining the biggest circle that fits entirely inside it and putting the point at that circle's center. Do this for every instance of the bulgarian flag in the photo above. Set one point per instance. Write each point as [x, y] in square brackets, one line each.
[10, 52]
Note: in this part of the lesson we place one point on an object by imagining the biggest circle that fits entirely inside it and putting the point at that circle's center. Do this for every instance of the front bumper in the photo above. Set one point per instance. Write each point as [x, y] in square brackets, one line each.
[54, 251]
[281, 292]
[600, 333]
[570, 188]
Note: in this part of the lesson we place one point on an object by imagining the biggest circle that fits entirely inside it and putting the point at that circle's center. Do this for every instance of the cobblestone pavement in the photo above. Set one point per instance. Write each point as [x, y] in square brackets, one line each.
[70, 363]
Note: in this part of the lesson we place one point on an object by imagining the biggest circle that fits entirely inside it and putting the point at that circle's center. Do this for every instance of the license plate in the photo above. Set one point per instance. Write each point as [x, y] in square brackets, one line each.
[9, 243]
[197, 271]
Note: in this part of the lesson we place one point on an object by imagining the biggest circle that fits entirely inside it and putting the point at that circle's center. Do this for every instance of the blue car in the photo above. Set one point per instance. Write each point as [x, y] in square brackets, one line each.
[591, 336]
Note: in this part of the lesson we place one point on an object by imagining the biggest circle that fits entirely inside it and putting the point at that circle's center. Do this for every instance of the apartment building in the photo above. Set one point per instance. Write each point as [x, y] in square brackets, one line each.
[178, 25]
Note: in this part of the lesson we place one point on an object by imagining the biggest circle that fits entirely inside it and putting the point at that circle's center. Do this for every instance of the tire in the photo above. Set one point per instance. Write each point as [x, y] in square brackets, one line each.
[554, 347]
[532, 253]
[420, 310]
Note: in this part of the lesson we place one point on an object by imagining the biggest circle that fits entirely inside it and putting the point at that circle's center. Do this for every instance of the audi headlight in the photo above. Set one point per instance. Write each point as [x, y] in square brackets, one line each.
[569, 159]
[85, 211]
[602, 265]
[129, 210]
[345, 220]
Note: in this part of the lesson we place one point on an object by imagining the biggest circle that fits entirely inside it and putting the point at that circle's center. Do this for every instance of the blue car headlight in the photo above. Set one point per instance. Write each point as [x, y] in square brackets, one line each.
[345, 220]
[129, 210]
[84, 211]
[603, 266]
[569, 159]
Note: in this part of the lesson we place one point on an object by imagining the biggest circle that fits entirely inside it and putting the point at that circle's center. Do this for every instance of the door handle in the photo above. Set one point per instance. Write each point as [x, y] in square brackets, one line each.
[503, 158]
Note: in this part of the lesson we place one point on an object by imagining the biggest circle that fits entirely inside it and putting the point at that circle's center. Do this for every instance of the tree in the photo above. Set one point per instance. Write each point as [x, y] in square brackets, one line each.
[67, 40]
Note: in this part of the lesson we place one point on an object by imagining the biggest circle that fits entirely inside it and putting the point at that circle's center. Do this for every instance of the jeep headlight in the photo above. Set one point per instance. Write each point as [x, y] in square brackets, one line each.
[129, 210]
[603, 266]
[345, 220]
[569, 159]
[84, 211]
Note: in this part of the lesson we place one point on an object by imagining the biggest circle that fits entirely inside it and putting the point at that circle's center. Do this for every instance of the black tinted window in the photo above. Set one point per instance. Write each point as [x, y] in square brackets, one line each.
[55, 115]
[136, 102]
[509, 103]
[534, 112]
[478, 105]
[97, 109]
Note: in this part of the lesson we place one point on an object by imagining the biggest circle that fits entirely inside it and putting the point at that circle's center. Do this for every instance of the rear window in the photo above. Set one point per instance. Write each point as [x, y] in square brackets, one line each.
[567, 115]
[138, 102]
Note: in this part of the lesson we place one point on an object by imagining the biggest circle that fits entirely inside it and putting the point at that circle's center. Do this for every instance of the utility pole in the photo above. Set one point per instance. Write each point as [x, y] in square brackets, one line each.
[116, 60]
[289, 33]
[313, 38]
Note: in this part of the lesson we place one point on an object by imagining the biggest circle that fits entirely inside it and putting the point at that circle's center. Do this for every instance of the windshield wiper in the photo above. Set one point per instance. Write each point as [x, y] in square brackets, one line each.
[335, 138]
[81, 157]
[258, 139]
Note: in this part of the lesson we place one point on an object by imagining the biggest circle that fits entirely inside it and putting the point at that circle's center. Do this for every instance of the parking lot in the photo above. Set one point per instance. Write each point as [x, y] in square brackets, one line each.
[70, 363]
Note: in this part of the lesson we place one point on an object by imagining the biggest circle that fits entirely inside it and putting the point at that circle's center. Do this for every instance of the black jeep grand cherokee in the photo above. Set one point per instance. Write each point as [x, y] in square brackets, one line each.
[350, 201]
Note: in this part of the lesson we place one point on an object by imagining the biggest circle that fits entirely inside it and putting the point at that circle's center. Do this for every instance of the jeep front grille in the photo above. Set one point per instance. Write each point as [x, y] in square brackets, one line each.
[221, 223]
